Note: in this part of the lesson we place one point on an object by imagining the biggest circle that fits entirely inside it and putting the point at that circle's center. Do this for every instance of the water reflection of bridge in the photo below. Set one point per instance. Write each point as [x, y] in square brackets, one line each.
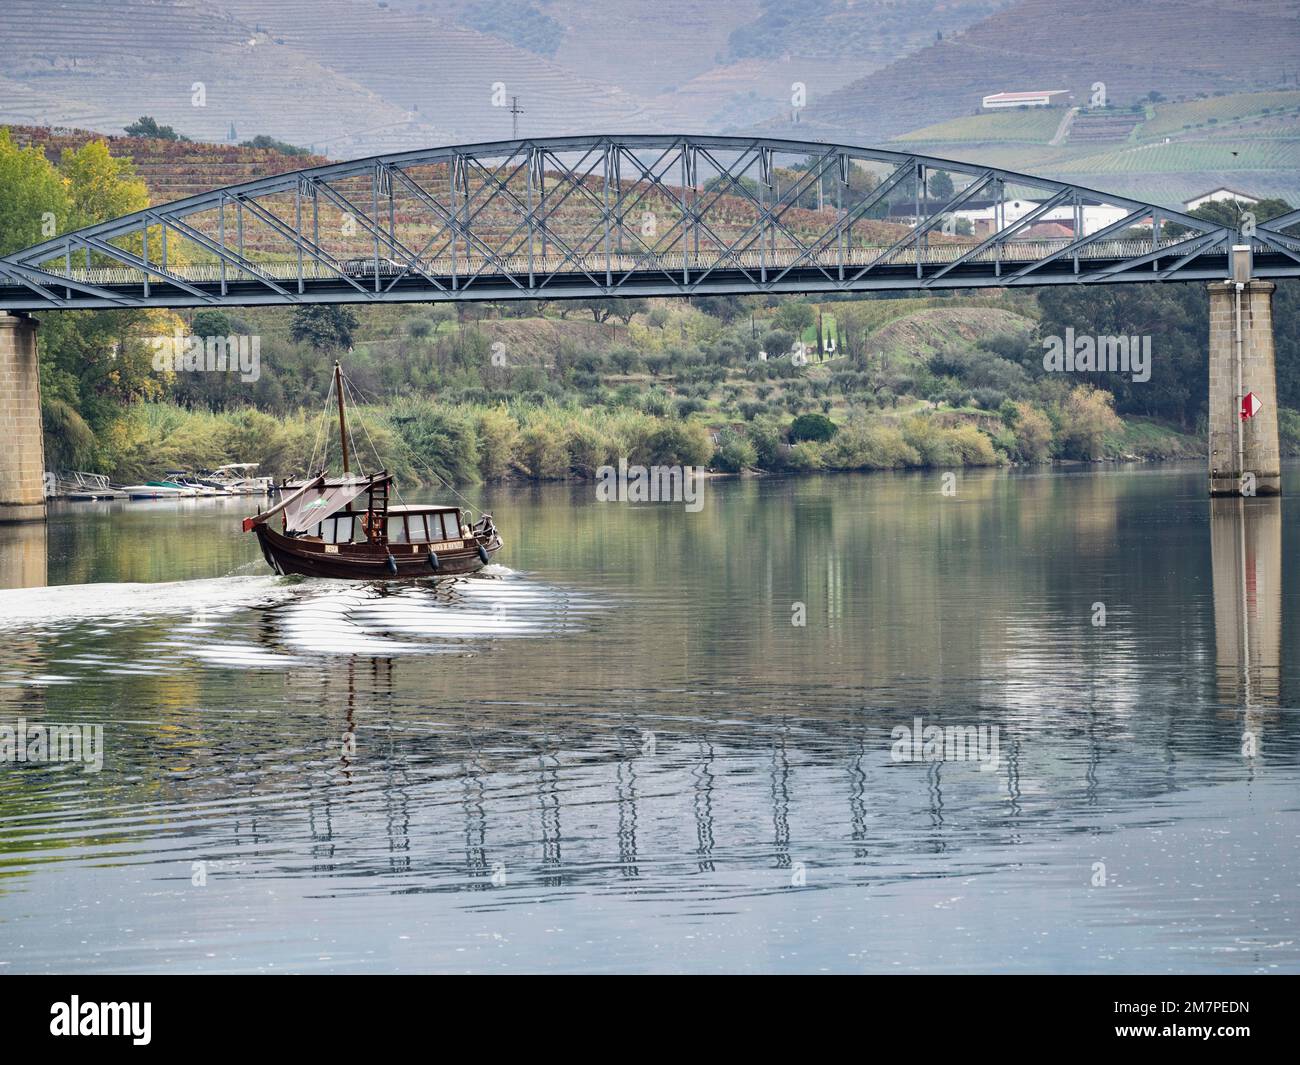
[440, 783]
[526, 801]
[1246, 544]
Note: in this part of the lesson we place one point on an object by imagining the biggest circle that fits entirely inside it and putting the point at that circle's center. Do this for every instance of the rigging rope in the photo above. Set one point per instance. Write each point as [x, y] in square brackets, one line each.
[361, 395]
[311, 463]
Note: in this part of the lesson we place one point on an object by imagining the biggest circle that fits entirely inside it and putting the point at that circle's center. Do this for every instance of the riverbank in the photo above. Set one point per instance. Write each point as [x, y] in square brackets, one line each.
[424, 441]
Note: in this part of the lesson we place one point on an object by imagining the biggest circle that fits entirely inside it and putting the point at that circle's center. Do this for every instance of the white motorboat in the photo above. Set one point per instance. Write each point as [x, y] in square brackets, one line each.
[240, 478]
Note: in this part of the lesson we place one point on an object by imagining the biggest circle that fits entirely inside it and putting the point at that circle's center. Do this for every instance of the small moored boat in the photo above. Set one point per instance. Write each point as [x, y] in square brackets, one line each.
[345, 527]
[240, 478]
[155, 490]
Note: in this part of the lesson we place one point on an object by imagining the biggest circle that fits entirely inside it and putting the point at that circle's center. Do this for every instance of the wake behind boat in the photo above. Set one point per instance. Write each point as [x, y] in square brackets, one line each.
[345, 528]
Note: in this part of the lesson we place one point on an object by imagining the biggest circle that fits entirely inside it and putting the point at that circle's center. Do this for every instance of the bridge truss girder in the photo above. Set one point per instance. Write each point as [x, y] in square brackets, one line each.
[611, 216]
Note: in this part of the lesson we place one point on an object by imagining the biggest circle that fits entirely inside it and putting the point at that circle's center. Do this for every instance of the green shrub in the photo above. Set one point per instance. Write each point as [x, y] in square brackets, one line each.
[440, 441]
[734, 454]
[972, 446]
[588, 448]
[861, 445]
[543, 453]
[929, 440]
[816, 427]
[680, 443]
[498, 437]
[806, 456]
[767, 438]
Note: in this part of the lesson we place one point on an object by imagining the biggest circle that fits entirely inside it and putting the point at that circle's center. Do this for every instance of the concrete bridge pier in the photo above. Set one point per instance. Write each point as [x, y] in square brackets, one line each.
[1245, 458]
[22, 451]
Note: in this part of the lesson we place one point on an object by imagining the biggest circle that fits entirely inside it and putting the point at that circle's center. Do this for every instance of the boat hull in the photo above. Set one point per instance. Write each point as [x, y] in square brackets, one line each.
[370, 562]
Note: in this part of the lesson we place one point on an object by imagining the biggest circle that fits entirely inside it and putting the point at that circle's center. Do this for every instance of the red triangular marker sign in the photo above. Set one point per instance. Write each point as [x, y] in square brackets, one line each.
[1250, 405]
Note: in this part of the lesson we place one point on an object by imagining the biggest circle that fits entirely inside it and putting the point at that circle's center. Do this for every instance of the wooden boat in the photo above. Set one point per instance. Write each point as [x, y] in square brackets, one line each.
[346, 528]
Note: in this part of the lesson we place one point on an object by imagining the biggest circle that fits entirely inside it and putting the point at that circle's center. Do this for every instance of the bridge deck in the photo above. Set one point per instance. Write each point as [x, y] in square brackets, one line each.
[554, 276]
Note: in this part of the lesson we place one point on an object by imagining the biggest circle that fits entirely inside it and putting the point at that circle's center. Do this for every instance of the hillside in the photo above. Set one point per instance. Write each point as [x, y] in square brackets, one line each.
[351, 77]
[1177, 47]
[170, 169]
[1166, 152]
[83, 64]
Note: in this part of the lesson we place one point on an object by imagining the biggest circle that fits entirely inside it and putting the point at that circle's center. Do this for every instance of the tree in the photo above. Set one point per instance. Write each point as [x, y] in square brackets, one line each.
[324, 327]
[726, 308]
[624, 309]
[1086, 417]
[34, 202]
[815, 427]
[941, 186]
[1174, 319]
[777, 343]
[795, 318]
[1032, 430]
[263, 141]
[102, 187]
[600, 309]
[735, 453]
[91, 362]
[146, 126]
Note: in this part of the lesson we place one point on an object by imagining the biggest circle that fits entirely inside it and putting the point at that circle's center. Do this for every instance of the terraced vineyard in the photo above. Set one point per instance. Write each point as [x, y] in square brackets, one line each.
[1178, 47]
[1172, 119]
[171, 170]
[1036, 125]
[88, 62]
[1166, 154]
[1192, 156]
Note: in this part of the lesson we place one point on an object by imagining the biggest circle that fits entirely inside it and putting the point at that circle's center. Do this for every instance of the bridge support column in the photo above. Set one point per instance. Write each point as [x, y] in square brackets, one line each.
[22, 451]
[1241, 362]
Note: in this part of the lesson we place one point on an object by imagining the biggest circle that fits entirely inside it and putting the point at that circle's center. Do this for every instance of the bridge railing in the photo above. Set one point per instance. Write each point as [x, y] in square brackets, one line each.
[597, 264]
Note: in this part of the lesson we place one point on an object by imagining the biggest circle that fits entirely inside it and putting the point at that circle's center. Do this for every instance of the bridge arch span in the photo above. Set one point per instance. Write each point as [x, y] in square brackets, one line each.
[610, 216]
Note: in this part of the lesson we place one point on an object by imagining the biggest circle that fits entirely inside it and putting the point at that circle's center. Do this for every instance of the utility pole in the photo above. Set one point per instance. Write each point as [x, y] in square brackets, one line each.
[515, 112]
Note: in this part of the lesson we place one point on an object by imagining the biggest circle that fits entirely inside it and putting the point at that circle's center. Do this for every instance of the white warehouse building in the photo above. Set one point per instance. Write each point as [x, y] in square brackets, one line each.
[983, 218]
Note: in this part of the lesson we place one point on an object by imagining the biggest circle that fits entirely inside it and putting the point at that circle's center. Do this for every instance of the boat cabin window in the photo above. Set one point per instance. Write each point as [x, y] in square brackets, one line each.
[349, 529]
[450, 530]
[339, 529]
[422, 527]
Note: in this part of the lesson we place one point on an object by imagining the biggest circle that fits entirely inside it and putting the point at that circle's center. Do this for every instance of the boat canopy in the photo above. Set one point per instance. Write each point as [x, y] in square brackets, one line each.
[321, 500]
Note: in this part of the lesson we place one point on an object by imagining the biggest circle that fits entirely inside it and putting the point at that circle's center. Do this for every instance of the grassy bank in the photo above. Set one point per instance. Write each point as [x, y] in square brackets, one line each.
[424, 441]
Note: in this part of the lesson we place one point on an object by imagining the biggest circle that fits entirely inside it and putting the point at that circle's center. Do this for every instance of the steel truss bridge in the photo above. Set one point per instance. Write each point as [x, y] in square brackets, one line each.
[618, 216]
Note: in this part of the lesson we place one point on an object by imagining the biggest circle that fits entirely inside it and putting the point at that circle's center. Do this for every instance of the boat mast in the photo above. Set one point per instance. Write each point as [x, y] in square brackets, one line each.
[343, 426]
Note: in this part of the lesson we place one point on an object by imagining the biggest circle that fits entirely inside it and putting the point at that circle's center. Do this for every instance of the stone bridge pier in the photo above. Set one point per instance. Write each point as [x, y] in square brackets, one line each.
[1245, 457]
[22, 452]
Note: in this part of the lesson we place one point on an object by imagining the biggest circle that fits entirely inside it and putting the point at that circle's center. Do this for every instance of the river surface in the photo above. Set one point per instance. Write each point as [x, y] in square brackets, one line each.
[655, 740]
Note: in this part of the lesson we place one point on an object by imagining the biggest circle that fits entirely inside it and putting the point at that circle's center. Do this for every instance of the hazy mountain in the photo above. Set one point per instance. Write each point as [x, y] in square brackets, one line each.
[1174, 47]
[354, 76]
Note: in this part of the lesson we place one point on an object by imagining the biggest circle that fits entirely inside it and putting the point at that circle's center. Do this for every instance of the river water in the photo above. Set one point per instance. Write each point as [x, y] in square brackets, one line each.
[651, 739]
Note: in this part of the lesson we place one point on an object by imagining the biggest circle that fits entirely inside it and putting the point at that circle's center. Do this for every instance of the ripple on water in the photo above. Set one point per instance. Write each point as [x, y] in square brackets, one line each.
[206, 621]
